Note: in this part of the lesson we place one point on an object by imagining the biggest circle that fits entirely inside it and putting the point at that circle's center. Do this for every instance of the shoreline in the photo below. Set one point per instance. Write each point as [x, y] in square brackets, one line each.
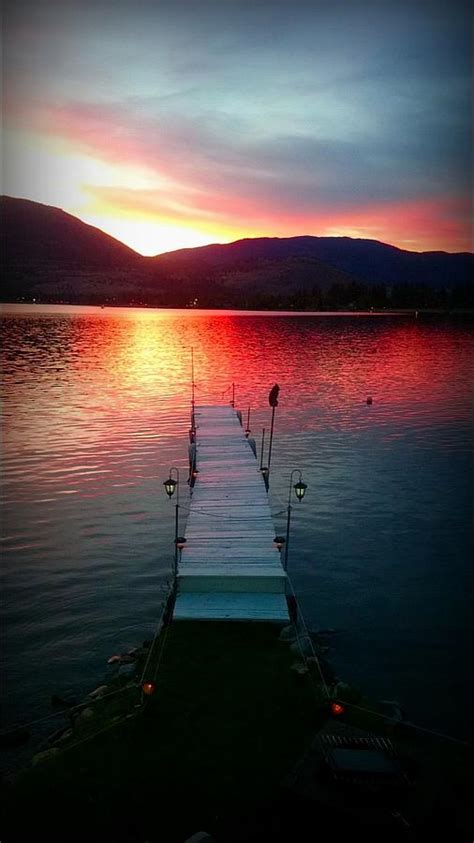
[411, 312]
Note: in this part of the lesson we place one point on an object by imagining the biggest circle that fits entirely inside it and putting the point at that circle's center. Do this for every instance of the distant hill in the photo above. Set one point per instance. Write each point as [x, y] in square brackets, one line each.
[50, 255]
[366, 260]
[43, 234]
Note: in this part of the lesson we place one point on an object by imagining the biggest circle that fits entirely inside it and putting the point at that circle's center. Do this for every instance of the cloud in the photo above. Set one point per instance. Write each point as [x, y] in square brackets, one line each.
[251, 112]
[416, 224]
[217, 156]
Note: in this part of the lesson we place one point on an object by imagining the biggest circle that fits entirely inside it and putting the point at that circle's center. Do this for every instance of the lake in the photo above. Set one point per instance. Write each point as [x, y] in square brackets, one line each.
[96, 407]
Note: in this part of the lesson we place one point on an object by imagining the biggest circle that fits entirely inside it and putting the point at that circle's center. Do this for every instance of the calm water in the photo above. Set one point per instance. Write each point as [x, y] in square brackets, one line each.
[95, 410]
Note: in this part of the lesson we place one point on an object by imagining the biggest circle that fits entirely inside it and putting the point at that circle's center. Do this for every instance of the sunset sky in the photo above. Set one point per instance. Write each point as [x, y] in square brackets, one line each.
[172, 124]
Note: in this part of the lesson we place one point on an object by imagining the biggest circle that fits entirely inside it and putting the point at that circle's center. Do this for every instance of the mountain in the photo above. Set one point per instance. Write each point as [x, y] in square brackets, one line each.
[43, 234]
[318, 273]
[50, 255]
[367, 260]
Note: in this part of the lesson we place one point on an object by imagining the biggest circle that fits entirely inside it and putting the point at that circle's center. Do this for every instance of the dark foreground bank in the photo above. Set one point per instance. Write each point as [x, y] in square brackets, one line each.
[220, 746]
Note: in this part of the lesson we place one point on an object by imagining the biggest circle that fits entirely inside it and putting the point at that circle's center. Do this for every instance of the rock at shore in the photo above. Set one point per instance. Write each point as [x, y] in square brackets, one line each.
[85, 715]
[288, 634]
[303, 645]
[99, 692]
[44, 756]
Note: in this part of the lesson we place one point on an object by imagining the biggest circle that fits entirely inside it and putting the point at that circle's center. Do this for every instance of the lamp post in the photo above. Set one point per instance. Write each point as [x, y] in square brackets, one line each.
[273, 401]
[247, 429]
[261, 449]
[171, 485]
[300, 491]
[193, 421]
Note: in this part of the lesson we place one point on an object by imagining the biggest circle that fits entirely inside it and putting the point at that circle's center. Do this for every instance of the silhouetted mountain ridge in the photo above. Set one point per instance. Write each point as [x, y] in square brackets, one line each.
[50, 255]
[366, 260]
[34, 232]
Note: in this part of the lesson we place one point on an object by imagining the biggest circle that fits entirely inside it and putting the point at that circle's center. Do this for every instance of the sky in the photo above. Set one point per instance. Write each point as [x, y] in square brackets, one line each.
[172, 124]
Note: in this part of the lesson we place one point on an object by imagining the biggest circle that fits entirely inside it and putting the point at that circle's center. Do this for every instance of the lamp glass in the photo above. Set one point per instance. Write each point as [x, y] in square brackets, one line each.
[170, 486]
[300, 489]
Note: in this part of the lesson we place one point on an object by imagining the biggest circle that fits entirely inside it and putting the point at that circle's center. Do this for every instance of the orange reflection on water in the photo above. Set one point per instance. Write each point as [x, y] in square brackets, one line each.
[142, 349]
[91, 375]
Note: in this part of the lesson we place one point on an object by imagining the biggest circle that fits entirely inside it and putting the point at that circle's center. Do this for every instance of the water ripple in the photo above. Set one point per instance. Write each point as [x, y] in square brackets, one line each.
[95, 410]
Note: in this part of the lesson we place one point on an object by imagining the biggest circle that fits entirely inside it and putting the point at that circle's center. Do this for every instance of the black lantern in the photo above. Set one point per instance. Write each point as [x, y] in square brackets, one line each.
[300, 489]
[170, 486]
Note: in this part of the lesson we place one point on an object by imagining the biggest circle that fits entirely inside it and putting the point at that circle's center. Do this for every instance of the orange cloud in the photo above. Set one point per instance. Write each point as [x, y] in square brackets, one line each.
[215, 190]
[416, 225]
[440, 224]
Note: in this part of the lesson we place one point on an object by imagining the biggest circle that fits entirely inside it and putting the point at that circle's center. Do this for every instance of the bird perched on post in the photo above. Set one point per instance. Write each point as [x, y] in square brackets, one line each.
[273, 396]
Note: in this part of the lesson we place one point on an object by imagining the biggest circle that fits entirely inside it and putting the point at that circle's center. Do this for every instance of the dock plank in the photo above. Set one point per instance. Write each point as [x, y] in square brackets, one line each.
[231, 606]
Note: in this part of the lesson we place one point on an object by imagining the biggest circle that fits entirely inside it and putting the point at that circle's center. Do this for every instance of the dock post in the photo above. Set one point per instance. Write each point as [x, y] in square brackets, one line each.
[261, 449]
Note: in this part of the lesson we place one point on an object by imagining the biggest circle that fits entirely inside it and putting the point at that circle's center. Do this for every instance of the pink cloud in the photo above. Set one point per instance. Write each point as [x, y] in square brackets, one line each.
[209, 180]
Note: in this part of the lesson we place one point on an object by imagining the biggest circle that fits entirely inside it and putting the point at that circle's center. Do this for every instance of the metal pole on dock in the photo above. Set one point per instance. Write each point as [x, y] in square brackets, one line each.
[176, 534]
[300, 490]
[271, 439]
[192, 389]
[171, 485]
[287, 540]
[232, 403]
[261, 449]
[273, 401]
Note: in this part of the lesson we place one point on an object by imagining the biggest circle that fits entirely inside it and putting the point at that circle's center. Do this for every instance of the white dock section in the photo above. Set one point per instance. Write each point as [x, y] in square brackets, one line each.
[229, 568]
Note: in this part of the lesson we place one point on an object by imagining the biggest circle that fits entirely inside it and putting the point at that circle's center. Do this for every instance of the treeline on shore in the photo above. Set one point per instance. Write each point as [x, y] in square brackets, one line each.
[352, 296]
[360, 296]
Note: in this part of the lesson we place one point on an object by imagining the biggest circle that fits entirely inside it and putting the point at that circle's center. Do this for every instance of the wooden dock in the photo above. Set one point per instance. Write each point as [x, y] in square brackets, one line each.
[229, 568]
